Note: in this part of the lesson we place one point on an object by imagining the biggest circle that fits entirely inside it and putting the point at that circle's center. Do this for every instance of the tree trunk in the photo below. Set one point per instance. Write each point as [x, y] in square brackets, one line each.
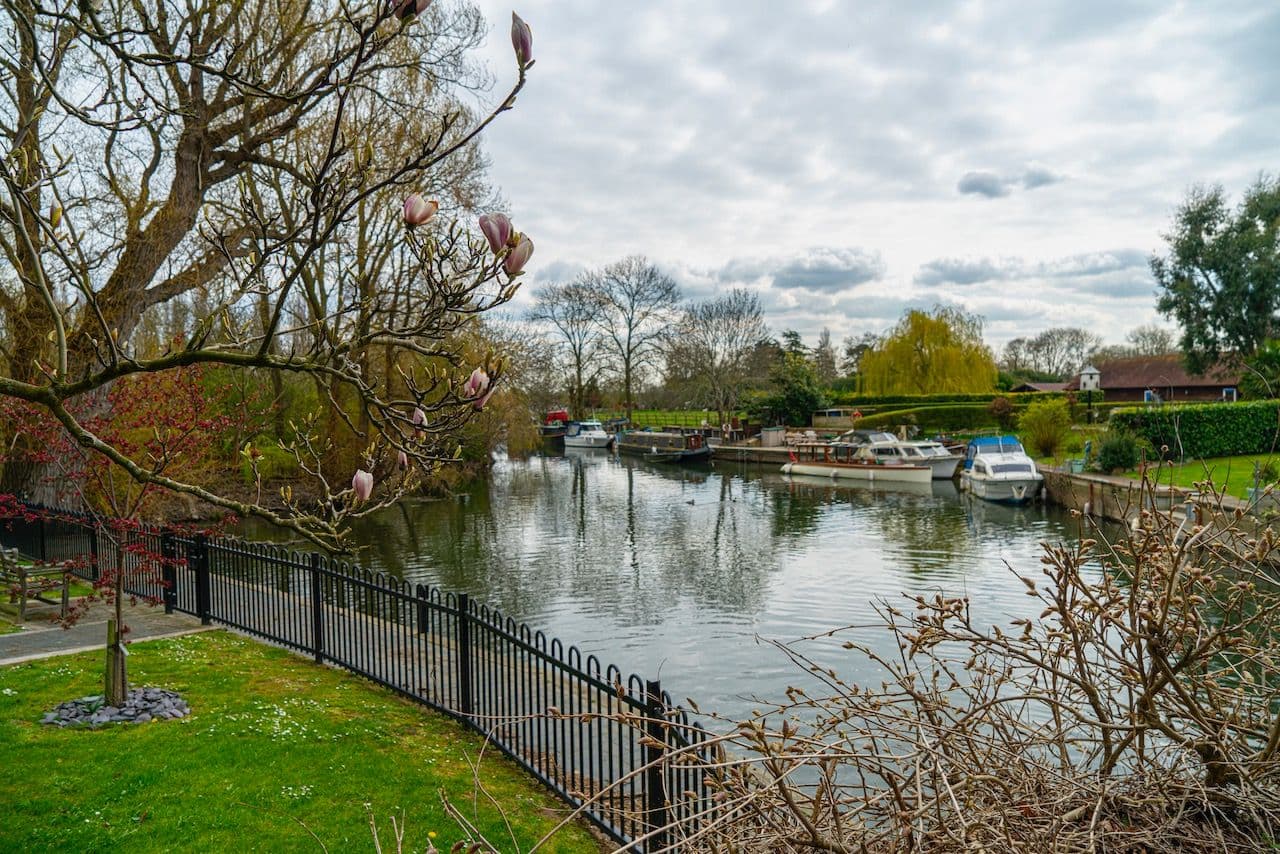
[116, 687]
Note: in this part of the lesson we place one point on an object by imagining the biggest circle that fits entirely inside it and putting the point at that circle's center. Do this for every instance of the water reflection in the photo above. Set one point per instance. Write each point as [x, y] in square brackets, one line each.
[675, 571]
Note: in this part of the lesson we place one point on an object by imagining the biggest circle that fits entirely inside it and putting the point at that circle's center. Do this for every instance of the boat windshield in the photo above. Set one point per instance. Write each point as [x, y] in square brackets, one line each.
[591, 425]
[1010, 468]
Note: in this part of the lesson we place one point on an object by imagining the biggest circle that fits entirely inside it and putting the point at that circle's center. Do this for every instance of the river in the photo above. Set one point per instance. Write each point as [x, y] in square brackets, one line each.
[683, 573]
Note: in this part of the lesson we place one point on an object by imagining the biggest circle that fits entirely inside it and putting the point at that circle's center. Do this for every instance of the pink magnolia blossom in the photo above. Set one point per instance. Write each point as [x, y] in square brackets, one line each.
[402, 460]
[519, 256]
[419, 417]
[362, 484]
[497, 228]
[476, 384]
[521, 40]
[479, 404]
[418, 211]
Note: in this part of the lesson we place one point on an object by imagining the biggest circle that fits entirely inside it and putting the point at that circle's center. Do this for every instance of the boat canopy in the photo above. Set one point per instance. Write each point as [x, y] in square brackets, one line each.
[996, 445]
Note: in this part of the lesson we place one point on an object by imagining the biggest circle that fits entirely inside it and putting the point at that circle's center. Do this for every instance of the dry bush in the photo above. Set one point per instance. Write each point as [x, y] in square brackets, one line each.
[1137, 712]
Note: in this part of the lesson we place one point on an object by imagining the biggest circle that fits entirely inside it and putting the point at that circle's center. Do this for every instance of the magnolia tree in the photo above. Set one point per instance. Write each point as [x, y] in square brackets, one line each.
[153, 150]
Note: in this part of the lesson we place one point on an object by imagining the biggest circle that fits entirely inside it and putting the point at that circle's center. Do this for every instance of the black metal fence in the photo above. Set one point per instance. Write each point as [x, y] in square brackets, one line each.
[616, 744]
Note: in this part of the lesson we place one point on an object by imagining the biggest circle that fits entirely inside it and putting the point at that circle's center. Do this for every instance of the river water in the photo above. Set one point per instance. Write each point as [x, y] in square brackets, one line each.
[684, 574]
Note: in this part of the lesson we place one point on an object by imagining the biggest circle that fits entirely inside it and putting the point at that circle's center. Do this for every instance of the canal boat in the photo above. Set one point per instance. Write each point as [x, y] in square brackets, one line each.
[554, 427]
[885, 448]
[586, 434]
[996, 468]
[841, 460]
[664, 447]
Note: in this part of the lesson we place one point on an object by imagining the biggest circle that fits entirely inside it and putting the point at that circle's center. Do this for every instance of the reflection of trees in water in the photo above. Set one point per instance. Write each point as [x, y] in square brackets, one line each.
[630, 538]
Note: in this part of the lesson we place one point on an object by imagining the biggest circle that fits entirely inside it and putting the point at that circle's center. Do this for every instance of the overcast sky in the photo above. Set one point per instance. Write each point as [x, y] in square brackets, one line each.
[849, 160]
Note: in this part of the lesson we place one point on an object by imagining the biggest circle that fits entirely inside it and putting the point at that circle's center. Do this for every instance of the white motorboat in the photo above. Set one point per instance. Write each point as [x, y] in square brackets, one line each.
[586, 434]
[886, 449]
[840, 460]
[996, 468]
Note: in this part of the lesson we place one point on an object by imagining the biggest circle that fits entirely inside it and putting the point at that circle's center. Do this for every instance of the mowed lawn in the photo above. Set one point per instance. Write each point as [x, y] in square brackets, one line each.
[1232, 474]
[279, 754]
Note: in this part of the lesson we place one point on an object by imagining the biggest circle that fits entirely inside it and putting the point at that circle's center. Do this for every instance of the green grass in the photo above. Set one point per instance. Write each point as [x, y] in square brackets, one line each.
[274, 742]
[668, 417]
[1234, 474]
[7, 626]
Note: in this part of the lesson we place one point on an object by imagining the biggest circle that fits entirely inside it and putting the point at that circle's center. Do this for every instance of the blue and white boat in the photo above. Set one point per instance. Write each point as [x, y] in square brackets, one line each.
[996, 468]
[586, 434]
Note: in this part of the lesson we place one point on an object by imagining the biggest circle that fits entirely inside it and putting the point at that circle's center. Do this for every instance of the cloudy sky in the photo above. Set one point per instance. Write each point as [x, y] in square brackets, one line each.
[851, 159]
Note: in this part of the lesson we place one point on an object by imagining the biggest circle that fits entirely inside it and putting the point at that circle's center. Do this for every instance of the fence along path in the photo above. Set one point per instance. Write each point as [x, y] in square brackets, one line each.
[592, 735]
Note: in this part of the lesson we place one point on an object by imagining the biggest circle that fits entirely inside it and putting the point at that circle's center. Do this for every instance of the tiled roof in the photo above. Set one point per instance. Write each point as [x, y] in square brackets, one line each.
[1157, 372]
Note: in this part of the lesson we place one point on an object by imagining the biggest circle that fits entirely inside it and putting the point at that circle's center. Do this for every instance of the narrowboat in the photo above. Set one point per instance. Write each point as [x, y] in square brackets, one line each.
[664, 447]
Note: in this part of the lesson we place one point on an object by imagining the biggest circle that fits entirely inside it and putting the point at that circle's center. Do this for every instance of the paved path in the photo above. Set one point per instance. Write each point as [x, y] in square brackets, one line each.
[41, 638]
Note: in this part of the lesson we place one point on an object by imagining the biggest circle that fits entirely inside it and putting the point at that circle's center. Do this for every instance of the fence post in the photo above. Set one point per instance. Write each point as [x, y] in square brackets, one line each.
[464, 654]
[420, 595]
[93, 551]
[168, 574]
[654, 748]
[204, 590]
[317, 609]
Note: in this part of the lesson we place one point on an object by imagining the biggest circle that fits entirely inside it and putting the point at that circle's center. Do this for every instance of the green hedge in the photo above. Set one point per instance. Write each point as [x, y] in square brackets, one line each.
[960, 416]
[847, 399]
[1205, 429]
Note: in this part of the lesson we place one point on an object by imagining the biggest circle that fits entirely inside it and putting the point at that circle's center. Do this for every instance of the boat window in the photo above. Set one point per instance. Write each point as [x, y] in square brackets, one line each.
[886, 452]
[1007, 468]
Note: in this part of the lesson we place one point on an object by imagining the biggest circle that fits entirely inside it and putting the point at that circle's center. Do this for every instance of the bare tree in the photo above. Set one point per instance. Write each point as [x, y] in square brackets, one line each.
[637, 304]
[1151, 340]
[572, 310]
[1061, 351]
[716, 343]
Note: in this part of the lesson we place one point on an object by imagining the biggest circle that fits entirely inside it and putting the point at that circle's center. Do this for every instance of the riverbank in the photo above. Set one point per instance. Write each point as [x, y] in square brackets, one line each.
[277, 751]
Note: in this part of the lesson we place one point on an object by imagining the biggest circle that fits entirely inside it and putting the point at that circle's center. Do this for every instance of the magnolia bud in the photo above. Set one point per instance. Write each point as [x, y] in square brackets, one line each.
[521, 40]
[362, 484]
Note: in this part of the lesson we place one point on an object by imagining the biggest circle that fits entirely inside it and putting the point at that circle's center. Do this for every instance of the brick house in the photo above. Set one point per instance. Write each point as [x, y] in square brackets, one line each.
[1146, 378]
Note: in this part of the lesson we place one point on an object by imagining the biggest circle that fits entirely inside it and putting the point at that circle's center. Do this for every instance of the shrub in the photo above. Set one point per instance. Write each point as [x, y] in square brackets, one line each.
[1206, 429]
[1118, 452]
[1044, 426]
[1002, 411]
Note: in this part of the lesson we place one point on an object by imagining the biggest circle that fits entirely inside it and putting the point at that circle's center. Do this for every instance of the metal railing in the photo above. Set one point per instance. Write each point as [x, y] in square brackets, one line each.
[616, 746]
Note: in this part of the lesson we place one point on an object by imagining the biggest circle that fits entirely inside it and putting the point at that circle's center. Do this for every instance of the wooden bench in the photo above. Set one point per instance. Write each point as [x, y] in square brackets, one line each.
[31, 583]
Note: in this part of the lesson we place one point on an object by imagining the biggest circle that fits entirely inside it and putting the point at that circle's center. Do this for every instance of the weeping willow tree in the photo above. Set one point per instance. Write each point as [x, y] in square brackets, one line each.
[931, 352]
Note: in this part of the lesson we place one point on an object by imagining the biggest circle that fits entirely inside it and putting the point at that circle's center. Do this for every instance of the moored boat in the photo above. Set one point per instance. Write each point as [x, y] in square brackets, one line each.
[664, 447]
[996, 468]
[554, 426]
[586, 434]
[841, 460]
[887, 449]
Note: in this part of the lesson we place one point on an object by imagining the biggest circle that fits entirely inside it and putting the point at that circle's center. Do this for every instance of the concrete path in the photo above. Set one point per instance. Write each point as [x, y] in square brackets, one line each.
[42, 638]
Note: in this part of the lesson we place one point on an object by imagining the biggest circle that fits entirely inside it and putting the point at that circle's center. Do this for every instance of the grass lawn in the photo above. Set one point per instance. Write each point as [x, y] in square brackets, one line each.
[274, 742]
[1235, 474]
[7, 626]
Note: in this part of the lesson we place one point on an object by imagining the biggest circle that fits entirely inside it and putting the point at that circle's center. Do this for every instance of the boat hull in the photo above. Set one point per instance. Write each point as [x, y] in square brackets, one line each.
[588, 440]
[664, 455]
[944, 468]
[868, 473]
[1022, 490]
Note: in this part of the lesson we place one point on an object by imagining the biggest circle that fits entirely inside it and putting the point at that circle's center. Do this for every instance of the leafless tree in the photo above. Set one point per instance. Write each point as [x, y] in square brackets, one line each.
[637, 304]
[715, 344]
[1151, 340]
[572, 311]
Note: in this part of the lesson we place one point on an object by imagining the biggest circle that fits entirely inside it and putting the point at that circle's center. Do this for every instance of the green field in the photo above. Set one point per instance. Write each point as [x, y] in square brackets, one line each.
[279, 754]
